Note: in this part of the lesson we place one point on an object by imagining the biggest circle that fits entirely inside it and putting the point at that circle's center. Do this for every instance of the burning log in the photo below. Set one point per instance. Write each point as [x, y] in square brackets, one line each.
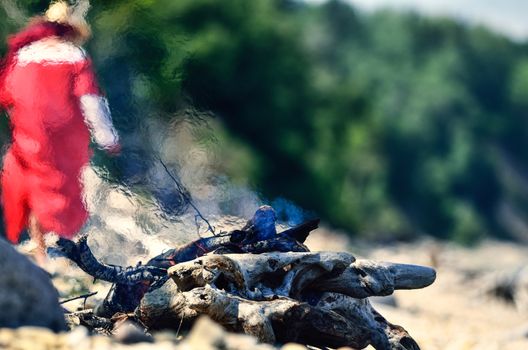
[261, 283]
[131, 283]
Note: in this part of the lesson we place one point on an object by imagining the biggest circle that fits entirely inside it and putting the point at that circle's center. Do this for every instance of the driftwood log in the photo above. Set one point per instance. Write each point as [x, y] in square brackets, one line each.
[261, 283]
[311, 298]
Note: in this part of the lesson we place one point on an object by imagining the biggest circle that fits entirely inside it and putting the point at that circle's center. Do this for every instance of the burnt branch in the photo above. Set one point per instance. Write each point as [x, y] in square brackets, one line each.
[132, 282]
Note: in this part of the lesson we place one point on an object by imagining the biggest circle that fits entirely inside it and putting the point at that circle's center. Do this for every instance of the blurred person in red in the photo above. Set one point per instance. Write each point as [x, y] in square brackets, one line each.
[48, 88]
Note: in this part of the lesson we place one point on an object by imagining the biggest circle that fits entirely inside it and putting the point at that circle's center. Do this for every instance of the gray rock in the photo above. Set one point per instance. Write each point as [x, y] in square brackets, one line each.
[27, 296]
[208, 335]
[129, 333]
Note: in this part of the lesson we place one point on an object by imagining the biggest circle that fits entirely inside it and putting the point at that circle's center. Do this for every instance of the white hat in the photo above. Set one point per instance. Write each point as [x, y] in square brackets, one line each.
[61, 12]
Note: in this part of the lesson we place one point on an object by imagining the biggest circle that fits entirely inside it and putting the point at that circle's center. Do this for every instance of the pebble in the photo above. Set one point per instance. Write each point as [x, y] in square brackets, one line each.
[129, 333]
[293, 346]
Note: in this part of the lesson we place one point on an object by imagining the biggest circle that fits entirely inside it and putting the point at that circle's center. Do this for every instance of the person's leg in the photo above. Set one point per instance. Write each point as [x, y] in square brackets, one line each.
[36, 234]
[14, 197]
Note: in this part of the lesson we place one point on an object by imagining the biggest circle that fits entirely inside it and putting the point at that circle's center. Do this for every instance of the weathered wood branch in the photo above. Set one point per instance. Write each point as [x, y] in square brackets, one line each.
[312, 298]
[282, 319]
[366, 278]
[80, 253]
[291, 274]
[368, 323]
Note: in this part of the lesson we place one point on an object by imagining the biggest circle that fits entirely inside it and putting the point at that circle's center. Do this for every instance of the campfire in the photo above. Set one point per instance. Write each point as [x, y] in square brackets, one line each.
[256, 281]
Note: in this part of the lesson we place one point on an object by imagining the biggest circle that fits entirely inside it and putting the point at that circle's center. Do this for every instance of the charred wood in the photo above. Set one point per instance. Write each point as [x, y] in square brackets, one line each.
[259, 282]
[131, 283]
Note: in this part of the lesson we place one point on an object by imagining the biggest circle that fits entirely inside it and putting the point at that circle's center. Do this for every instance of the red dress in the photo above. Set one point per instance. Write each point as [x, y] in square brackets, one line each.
[42, 87]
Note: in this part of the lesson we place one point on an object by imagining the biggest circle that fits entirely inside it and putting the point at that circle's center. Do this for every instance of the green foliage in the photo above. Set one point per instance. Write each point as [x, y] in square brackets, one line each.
[385, 124]
[519, 85]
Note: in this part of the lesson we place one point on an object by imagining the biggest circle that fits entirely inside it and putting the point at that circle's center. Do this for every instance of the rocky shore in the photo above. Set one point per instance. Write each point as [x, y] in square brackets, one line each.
[456, 313]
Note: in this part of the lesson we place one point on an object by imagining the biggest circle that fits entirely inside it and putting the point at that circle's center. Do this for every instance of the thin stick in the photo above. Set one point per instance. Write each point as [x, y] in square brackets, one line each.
[84, 296]
[188, 198]
[179, 327]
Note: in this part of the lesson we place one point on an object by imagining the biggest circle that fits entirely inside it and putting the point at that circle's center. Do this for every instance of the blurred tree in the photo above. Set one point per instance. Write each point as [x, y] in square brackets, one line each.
[388, 124]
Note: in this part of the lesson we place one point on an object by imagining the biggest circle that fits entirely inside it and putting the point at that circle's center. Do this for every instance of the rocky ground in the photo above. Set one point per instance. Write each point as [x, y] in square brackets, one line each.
[455, 313]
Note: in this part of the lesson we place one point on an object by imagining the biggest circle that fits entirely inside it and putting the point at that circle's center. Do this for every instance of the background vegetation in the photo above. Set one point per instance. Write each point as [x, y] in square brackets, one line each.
[388, 125]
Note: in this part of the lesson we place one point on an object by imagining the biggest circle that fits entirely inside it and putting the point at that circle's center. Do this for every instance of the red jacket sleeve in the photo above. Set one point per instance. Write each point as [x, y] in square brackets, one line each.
[4, 99]
[85, 81]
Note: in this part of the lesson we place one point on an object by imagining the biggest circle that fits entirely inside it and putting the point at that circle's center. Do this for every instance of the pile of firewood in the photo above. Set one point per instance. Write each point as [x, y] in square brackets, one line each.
[259, 282]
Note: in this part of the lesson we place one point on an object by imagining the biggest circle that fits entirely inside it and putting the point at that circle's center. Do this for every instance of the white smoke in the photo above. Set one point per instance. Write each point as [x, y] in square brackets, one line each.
[127, 225]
